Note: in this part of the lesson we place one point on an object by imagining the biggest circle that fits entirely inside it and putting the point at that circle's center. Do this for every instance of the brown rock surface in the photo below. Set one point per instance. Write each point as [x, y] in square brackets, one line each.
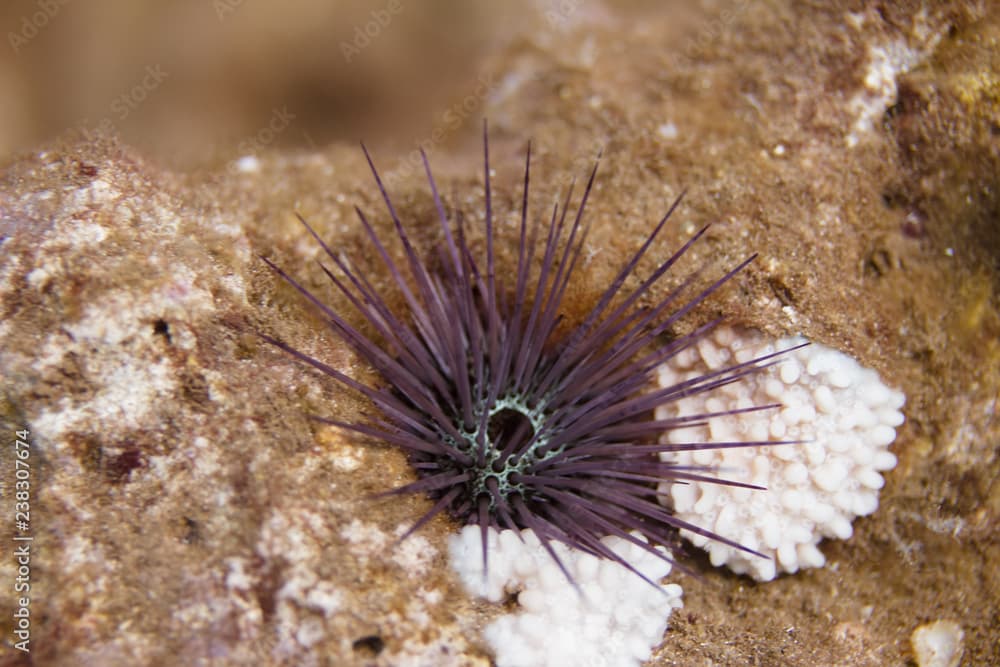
[186, 512]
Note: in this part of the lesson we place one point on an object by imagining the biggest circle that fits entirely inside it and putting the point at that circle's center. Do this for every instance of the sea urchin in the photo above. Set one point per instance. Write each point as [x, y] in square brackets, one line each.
[508, 422]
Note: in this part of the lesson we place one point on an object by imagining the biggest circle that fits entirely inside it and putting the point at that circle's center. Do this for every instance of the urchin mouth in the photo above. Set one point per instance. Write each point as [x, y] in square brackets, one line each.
[508, 439]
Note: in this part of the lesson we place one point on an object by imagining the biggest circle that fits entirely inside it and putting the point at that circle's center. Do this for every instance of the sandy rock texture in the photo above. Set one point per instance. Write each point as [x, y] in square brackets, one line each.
[186, 511]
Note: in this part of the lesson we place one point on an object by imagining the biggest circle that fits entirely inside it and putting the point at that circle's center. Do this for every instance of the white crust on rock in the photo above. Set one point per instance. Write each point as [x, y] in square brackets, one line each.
[614, 620]
[815, 489]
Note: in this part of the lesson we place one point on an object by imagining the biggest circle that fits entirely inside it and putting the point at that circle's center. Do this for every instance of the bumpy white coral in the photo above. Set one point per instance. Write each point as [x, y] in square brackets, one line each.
[815, 489]
[614, 620]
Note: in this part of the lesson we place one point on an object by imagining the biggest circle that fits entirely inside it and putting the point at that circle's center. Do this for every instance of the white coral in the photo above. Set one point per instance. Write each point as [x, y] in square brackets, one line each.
[615, 619]
[815, 489]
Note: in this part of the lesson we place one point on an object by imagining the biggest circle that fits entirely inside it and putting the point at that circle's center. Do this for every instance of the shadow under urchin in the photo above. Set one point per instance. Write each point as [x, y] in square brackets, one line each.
[508, 422]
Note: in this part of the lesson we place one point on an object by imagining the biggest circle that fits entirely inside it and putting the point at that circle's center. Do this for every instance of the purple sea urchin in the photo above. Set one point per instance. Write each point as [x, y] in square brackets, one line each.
[507, 422]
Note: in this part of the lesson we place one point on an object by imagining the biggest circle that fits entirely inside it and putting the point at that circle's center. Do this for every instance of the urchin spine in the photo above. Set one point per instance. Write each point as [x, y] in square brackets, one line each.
[507, 424]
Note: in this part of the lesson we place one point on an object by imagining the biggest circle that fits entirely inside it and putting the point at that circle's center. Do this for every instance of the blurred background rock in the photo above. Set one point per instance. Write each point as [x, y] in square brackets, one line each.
[227, 67]
[186, 82]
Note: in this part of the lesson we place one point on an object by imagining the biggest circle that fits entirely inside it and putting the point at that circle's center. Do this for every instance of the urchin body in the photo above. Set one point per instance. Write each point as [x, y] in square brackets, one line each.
[508, 422]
